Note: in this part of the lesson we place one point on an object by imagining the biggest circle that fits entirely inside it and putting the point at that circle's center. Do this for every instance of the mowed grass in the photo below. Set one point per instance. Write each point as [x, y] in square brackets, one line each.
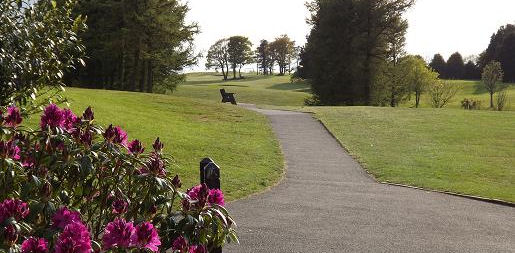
[472, 90]
[240, 141]
[469, 152]
[254, 89]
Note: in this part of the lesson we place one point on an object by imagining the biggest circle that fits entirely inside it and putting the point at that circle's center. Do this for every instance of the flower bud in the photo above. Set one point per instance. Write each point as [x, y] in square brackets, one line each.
[88, 114]
[176, 182]
[158, 145]
[46, 191]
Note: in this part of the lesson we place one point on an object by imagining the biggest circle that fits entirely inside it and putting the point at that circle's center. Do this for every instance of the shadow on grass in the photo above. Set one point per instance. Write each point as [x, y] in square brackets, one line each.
[289, 86]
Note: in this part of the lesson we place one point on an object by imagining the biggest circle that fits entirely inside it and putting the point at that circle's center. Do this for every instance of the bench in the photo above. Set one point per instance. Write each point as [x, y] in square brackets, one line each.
[227, 97]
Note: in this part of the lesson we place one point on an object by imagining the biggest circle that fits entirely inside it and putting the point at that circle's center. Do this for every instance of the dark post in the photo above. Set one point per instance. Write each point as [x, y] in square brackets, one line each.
[210, 175]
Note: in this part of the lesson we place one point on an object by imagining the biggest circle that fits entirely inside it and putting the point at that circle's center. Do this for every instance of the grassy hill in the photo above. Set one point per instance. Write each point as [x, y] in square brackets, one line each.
[254, 89]
[240, 141]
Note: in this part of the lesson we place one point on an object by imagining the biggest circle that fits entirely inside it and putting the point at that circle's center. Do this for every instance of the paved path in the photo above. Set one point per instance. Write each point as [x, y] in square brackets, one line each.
[327, 203]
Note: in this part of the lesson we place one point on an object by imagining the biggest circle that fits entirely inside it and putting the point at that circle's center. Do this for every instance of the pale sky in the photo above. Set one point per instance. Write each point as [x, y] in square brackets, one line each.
[436, 26]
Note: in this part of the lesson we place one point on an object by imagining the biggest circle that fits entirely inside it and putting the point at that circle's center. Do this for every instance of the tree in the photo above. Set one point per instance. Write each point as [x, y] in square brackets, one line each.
[501, 49]
[218, 57]
[455, 66]
[420, 77]
[283, 51]
[492, 74]
[262, 56]
[439, 65]
[239, 49]
[38, 44]
[441, 93]
[136, 45]
[472, 71]
[347, 45]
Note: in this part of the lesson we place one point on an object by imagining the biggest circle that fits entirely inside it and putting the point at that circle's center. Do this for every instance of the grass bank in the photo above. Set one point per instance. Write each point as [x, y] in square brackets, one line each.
[470, 152]
[240, 141]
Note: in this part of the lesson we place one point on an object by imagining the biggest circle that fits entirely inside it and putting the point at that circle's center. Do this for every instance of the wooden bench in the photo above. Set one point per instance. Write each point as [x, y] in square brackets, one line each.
[227, 97]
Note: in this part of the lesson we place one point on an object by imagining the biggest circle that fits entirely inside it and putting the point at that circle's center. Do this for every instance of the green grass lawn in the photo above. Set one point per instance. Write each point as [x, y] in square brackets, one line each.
[240, 141]
[472, 90]
[254, 89]
[470, 152]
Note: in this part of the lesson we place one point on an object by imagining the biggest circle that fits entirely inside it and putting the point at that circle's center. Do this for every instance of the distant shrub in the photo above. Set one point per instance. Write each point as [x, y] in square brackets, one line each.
[471, 104]
[441, 93]
[500, 100]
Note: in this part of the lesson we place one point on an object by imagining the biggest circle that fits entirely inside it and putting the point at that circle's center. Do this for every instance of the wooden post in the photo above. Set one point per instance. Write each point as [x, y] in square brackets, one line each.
[210, 175]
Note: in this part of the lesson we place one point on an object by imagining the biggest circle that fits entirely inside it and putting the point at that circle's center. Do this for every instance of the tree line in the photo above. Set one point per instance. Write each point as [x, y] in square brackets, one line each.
[352, 45]
[455, 67]
[134, 45]
[235, 52]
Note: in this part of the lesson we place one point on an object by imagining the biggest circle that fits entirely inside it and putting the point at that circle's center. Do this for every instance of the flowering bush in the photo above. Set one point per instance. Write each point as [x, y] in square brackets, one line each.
[71, 186]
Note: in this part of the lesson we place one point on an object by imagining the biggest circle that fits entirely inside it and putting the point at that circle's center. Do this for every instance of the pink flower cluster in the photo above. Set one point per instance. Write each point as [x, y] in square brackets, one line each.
[116, 135]
[181, 245]
[53, 117]
[75, 237]
[8, 149]
[12, 118]
[34, 245]
[124, 235]
[13, 208]
[202, 194]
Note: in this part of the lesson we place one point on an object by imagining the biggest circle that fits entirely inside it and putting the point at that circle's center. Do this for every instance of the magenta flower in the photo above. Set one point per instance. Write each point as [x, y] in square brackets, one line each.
[88, 114]
[216, 196]
[199, 193]
[198, 249]
[120, 206]
[69, 120]
[146, 236]
[9, 150]
[13, 118]
[75, 238]
[180, 244]
[13, 208]
[136, 147]
[52, 117]
[10, 234]
[86, 138]
[116, 135]
[118, 233]
[64, 217]
[34, 245]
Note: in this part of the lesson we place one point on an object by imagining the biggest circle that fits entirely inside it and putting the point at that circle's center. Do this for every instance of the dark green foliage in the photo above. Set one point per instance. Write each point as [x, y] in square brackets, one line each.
[348, 42]
[439, 65]
[132, 45]
[472, 71]
[501, 49]
[263, 57]
[38, 44]
[455, 67]
[239, 50]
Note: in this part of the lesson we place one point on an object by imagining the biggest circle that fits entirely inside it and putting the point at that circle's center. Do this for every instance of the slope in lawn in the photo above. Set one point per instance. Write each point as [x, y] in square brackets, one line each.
[240, 141]
[471, 152]
[254, 89]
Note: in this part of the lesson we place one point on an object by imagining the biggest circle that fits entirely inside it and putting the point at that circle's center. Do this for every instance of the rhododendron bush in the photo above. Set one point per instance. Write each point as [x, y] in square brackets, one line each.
[72, 186]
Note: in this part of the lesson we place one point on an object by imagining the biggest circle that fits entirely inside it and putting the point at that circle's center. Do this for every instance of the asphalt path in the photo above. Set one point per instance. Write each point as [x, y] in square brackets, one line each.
[327, 203]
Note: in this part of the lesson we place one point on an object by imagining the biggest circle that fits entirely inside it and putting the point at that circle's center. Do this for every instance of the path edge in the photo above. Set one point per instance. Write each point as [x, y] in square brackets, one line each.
[371, 175]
